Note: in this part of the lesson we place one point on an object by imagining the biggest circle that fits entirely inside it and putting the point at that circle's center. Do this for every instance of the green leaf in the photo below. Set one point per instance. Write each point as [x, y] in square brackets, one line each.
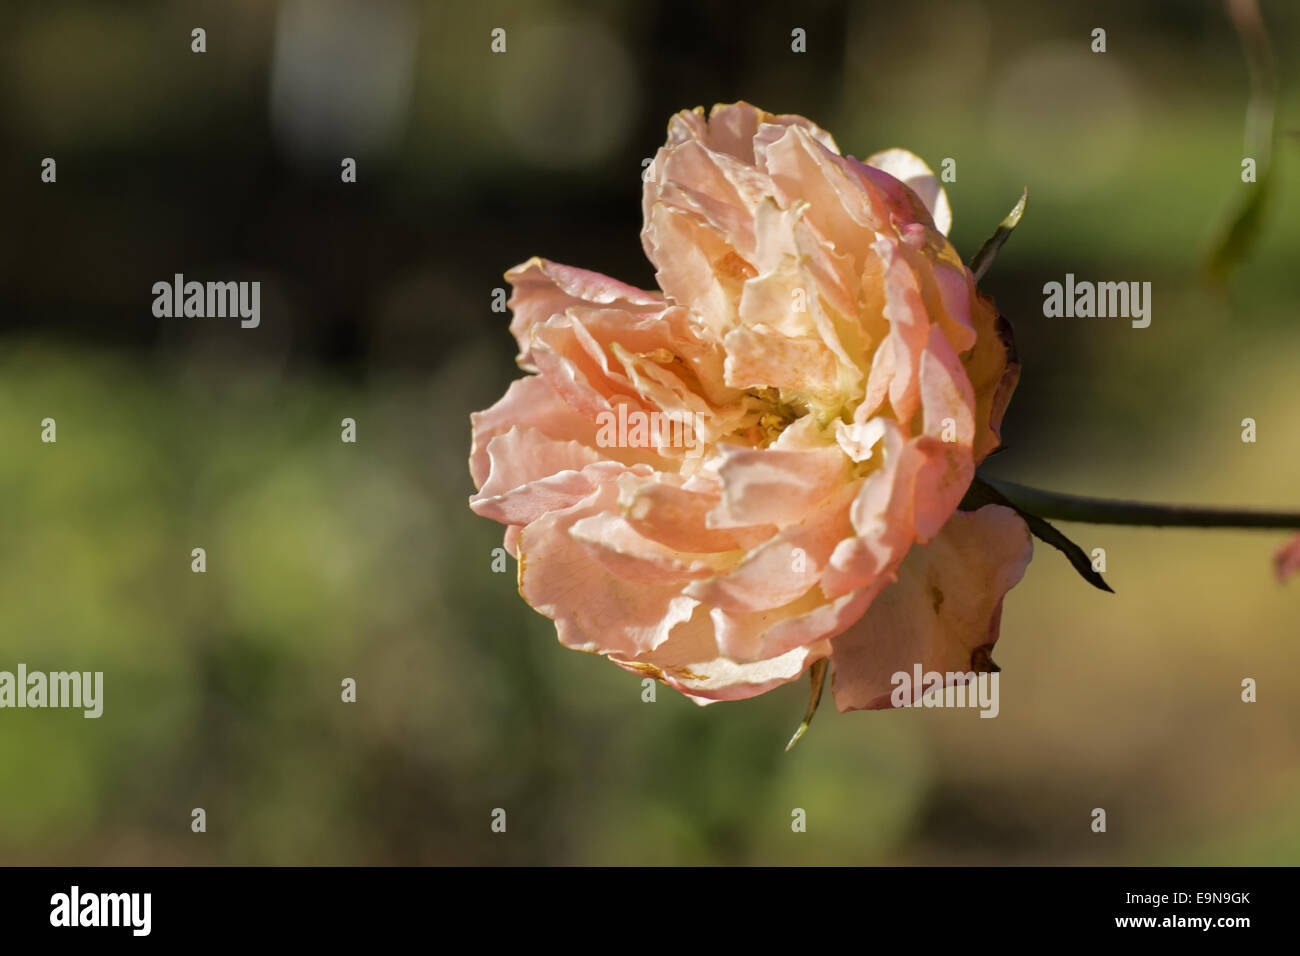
[981, 493]
[981, 261]
[817, 673]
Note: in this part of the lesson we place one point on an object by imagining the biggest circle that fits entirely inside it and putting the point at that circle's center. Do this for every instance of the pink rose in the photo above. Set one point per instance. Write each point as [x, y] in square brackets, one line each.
[825, 377]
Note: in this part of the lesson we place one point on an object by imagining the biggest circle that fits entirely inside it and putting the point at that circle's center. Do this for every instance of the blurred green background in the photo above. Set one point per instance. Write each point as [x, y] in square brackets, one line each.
[328, 560]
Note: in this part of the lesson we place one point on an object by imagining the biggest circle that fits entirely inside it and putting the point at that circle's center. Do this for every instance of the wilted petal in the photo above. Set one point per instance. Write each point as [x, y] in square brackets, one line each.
[760, 357]
[689, 661]
[883, 516]
[677, 517]
[543, 288]
[942, 613]
[529, 402]
[532, 474]
[947, 401]
[593, 609]
[695, 265]
[773, 486]
[909, 330]
[785, 567]
[524, 455]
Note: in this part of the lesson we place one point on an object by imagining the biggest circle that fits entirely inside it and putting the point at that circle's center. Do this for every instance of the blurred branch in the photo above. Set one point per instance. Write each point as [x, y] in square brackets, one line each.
[1236, 237]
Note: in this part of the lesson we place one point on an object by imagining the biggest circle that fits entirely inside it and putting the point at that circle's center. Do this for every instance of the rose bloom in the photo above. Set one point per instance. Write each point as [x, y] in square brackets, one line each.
[842, 377]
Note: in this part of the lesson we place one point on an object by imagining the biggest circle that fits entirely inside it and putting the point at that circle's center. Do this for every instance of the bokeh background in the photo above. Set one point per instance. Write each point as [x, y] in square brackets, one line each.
[328, 560]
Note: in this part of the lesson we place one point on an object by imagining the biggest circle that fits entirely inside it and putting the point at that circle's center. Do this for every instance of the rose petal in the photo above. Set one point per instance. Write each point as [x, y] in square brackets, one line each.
[942, 613]
[543, 288]
[911, 171]
[529, 402]
[772, 486]
[677, 518]
[593, 609]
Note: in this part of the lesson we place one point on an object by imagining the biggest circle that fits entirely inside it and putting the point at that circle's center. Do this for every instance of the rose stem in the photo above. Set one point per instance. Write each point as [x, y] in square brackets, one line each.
[1052, 504]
